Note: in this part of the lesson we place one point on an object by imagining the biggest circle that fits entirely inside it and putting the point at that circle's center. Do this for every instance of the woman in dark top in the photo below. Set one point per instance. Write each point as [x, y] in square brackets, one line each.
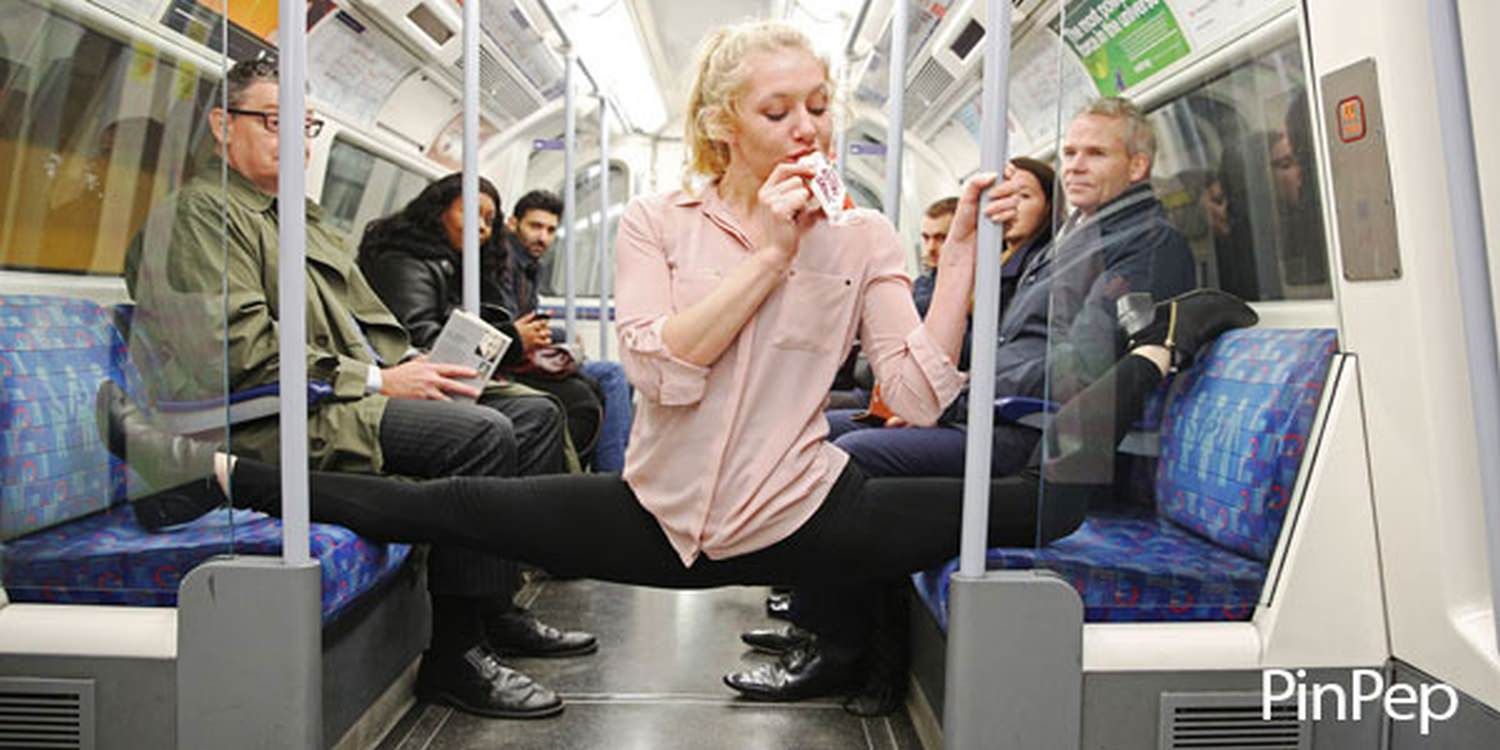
[414, 261]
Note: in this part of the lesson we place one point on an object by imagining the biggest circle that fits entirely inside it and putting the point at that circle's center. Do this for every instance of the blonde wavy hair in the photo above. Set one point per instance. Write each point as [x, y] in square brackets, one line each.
[720, 81]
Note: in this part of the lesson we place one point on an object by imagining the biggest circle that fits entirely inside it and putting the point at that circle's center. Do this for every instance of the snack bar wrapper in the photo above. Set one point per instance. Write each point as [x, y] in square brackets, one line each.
[826, 185]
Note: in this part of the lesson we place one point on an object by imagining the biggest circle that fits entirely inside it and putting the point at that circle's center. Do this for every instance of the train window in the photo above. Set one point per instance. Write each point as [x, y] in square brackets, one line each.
[362, 186]
[98, 130]
[1237, 173]
[586, 220]
[93, 132]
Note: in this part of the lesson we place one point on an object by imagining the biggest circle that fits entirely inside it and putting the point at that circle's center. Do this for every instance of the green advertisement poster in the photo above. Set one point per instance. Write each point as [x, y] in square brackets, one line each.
[1123, 42]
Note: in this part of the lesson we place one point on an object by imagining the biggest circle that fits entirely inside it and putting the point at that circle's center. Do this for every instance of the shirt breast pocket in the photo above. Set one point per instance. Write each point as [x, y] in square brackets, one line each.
[812, 307]
[690, 286]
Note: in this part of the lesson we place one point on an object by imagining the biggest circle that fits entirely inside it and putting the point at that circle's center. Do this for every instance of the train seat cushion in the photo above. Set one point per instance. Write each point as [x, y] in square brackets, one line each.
[1129, 569]
[1233, 432]
[65, 532]
[108, 558]
[54, 352]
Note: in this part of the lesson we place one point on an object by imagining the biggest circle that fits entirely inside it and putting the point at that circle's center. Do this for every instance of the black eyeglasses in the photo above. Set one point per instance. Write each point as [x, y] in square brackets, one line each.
[272, 121]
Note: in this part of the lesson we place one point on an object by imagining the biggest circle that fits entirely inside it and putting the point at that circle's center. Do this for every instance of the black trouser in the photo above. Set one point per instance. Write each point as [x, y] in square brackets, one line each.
[503, 436]
[873, 530]
[582, 404]
[1080, 465]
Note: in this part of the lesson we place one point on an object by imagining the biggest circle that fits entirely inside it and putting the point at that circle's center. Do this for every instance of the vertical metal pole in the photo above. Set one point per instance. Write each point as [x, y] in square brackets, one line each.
[846, 124]
[471, 157]
[570, 189]
[1466, 216]
[291, 190]
[896, 128]
[603, 233]
[992, 154]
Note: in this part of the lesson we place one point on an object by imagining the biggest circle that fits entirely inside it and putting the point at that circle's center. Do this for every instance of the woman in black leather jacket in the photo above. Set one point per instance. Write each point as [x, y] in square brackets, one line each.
[414, 261]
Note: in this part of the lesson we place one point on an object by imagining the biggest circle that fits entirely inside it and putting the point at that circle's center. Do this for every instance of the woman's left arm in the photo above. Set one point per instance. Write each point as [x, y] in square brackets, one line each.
[913, 359]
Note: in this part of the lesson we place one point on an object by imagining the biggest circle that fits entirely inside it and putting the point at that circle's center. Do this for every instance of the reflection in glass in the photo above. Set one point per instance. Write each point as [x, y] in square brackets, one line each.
[586, 221]
[97, 136]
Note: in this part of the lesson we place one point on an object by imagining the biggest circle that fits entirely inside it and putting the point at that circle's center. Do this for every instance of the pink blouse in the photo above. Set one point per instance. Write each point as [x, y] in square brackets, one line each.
[732, 458]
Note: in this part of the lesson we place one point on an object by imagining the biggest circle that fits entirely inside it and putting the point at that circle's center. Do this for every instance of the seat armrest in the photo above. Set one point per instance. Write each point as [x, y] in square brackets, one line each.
[1027, 412]
[192, 417]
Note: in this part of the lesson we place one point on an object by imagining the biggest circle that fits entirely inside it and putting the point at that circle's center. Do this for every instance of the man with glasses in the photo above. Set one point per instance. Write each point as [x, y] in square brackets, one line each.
[390, 412]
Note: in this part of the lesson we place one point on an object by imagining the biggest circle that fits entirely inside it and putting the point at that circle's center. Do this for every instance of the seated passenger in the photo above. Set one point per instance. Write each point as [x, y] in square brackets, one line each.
[414, 261]
[935, 223]
[716, 288]
[533, 226]
[1060, 331]
[389, 413]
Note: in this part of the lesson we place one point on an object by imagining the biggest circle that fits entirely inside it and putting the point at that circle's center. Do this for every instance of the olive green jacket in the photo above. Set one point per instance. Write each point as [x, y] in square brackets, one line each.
[204, 277]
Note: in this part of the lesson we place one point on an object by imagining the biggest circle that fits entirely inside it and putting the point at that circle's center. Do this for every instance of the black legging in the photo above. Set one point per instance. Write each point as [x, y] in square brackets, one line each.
[593, 526]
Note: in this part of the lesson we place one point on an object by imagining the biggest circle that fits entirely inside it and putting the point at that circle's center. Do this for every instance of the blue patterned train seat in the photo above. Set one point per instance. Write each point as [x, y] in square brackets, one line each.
[1233, 433]
[66, 534]
[107, 558]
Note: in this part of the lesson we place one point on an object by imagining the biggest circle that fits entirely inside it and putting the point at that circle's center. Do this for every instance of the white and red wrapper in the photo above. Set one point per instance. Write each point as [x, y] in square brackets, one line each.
[826, 186]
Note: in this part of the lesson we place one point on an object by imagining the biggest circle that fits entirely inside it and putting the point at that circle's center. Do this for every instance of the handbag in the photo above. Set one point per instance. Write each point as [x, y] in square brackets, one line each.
[555, 362]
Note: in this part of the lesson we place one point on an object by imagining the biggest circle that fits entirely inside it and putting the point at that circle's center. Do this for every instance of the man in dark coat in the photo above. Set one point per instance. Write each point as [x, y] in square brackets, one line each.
[1060, 332]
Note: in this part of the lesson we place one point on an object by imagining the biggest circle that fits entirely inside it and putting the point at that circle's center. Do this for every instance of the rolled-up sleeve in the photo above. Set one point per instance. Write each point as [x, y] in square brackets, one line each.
[643, 303]
[916, 378]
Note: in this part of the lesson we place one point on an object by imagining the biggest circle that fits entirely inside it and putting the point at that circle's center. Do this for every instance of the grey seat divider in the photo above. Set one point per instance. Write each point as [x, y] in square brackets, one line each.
[249, 655]
[1015, 662]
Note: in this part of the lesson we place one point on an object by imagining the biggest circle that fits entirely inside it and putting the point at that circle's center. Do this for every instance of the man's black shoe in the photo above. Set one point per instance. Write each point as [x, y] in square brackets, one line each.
[776, 640]
[518, 632]
[476, 682]
[803, 672]
[779, 606]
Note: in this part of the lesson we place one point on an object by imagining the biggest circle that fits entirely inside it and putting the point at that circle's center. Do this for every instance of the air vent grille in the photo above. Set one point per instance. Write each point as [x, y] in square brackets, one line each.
[505, 98]
[45, 713]
[1228, 720]
[926, 89]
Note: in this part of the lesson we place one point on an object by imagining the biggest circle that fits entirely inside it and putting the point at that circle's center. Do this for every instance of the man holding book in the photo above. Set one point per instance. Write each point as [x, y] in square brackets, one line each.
[390, 412]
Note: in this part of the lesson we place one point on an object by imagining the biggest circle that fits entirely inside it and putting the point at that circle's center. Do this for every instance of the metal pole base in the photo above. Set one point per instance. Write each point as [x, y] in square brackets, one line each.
[1014, 677]
[249, 655]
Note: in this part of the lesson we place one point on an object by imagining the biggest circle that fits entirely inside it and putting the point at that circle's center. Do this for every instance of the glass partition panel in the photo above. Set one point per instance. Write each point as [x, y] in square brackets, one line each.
[586, 221]
[1169, 465]
[361, 187]
[110, 334]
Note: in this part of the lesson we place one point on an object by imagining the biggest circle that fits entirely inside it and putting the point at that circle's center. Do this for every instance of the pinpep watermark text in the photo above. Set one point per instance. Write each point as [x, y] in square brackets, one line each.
[1424, 703]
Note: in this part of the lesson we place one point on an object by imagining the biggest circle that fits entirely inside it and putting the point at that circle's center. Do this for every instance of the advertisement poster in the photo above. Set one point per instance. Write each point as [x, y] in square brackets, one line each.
[1209, 22]
[1123, 42]
[352, 70]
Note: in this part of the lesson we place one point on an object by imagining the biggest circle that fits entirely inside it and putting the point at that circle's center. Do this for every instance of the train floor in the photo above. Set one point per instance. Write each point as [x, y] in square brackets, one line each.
[654, 683]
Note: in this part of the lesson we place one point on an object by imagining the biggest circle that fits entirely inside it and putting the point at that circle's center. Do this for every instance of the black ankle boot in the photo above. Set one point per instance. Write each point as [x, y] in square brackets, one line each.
[185, 502]
[159, 457]
[1188, 323]
[182, 465]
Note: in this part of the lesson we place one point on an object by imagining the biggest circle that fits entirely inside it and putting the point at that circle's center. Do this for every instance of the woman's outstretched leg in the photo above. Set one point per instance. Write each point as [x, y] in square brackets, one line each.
[587, 525]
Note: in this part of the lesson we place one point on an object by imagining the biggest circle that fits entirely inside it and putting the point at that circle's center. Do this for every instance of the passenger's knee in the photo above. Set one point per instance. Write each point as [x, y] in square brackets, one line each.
[492, 432]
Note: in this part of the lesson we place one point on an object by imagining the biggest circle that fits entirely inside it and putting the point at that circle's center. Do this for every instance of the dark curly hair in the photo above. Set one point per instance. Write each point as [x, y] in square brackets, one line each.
[538, 200]
[423, 216]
